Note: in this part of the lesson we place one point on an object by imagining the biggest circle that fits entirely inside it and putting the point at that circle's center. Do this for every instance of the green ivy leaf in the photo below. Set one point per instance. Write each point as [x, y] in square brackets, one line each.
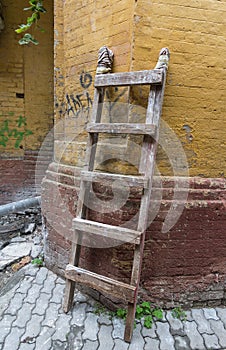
[23, 28]
[27, 39]
[121, 313]
[148, 321]
[158, 314]
[146, 307]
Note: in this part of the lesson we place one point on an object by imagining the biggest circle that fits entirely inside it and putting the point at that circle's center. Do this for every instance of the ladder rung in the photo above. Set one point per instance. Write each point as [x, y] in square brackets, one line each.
[101, 283]
[143, 77]
[122, 128]
[106, 178]
[118, 233]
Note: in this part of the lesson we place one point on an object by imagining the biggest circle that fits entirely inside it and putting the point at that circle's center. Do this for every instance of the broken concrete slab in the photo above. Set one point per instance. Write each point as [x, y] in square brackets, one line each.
[12, 252]
[28, 228]
[36, 251]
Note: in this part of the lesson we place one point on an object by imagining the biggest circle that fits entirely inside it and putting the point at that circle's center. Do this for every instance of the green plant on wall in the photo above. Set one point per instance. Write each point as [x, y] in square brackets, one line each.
[37, 9]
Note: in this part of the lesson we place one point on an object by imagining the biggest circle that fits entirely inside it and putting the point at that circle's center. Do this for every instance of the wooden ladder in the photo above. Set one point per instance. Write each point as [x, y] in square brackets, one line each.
[156, 80]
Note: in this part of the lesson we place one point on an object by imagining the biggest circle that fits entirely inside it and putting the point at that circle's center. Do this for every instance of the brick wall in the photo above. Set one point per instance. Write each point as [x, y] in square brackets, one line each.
[26, 101]
[184, 265]
[194, 104]
[180, 264]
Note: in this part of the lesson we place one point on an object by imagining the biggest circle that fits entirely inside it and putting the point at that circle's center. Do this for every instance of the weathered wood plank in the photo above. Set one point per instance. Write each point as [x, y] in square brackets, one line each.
[107, 178]
[143, 77]
[101, 283]
[122, 128]
[118, 233]
[83, 195]
[147, 168]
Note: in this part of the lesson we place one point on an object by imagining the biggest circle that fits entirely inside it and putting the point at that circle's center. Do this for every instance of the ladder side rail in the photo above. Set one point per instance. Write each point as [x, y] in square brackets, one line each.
[90, 152]
[83, 197]
[147, 163]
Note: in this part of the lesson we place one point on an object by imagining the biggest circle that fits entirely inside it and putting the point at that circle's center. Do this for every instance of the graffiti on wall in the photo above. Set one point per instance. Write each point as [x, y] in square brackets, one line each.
[80, 102]
[16, 133]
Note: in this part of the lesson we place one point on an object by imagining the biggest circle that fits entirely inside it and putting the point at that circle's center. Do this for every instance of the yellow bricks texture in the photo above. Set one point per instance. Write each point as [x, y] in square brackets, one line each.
[26, 83]
[195, 97]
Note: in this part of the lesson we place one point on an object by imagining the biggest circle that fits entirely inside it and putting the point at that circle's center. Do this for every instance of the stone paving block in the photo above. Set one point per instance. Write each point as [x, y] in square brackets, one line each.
[120, 345]
[210, 314]
[59, 345]
[30, 270]
[196, 340]
[51, 315]
[15, 304]
[41, 275]
[151, 344]
[33, 327]
[166, 339]
[91, 345]
[12, 340]
[25, 346]
[189, 315]
[24, 315]
[6, 299]
[181, 343]
[90, 308]
[118, 328]
[104, 319]
[74, 338]
[221, 312]
[33, 294]
[220, 331]
[202, 322]
[51, 274]
[176, 326]
[58, 294]
[26, 284]
[149, 332]
[105, 338]
[79, 314]
[80, 298]
[62, 327]
[44, 339]
[36, 251]
[60, 280]
[49, 284]
[137, 341]
[164, 317]
[211, 341]
[42, 304]
[91, 327]
[5, 326]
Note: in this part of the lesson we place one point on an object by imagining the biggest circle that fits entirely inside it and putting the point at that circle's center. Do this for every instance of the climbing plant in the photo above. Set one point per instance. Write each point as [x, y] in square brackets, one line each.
[37, 9]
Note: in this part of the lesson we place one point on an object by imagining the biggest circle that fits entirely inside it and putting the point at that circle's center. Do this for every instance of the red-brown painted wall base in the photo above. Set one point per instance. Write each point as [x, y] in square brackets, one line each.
[21, 178]
[186, 265]
[17, 178]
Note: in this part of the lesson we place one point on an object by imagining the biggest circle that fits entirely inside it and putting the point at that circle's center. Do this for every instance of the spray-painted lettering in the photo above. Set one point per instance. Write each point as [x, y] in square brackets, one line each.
[17, 133]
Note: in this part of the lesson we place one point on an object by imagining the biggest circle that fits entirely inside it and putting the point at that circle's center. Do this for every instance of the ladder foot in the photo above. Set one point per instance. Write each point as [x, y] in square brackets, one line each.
[130, 322]
[68, 296]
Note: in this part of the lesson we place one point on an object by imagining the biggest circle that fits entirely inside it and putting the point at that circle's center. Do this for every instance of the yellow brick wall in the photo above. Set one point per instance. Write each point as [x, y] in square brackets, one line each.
[195, 96]
[86, 26]
[194, 104]
[26, 82]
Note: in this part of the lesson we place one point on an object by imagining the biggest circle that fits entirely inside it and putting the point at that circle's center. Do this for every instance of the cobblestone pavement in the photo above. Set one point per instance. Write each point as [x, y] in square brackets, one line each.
[31, 318]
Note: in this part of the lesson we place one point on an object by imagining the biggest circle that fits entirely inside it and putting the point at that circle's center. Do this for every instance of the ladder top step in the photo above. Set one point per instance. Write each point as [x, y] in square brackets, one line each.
[101, 283]
[106, 178]
[144, 77]
[122, 128]
[118, 233]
